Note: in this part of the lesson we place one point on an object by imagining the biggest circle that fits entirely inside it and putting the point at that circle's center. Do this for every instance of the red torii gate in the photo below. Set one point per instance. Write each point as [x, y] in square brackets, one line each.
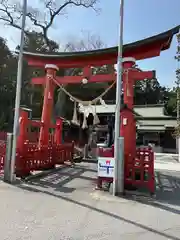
[143, 49]
[130, 75]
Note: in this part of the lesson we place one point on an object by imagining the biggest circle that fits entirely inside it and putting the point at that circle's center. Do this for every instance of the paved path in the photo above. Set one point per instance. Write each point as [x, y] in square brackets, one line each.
[167, 166]
[64, 206]
[167, 162]
[165, 157]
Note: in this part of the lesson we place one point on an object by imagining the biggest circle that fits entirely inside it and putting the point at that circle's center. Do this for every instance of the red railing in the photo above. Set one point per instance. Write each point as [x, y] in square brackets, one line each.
[32, 157]
[138, 172]
[3, 136]
[2, 155]
[46, 157]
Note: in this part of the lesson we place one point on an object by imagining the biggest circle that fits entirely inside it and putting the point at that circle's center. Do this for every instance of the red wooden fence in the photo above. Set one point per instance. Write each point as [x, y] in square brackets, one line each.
[138, 172]
[34, 158]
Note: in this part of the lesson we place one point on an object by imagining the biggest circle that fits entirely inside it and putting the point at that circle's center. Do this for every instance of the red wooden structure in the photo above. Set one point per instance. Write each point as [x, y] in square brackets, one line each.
[47, 149]
[40, 150]
[143, 49]
[138, 171]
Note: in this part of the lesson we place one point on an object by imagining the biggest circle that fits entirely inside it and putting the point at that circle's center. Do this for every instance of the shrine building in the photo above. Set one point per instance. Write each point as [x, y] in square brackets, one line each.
[153, 125]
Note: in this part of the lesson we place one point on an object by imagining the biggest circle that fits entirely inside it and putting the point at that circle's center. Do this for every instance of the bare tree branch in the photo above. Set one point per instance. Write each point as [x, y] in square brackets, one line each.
[89, 42]
[77, 3]
[56, 11]
[11, 13]
[7, 15]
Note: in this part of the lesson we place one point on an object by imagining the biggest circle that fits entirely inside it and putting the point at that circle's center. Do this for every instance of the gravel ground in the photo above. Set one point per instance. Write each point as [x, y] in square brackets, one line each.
[64, 206]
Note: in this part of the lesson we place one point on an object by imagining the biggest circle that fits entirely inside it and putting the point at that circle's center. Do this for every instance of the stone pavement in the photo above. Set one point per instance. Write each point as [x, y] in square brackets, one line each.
[64, 206]
[167, 162]
[165, 157]
[167, 166]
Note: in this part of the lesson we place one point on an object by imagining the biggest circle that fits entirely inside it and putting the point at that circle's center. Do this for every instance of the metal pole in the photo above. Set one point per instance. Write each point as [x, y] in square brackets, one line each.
[7, 162]
[178, 117]
[18, 91]
[118, 106]
[120, 166]
[178, 100]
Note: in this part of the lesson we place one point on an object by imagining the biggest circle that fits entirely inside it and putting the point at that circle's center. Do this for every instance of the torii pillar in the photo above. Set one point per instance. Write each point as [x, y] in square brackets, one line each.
[49, 87]
[128, 122]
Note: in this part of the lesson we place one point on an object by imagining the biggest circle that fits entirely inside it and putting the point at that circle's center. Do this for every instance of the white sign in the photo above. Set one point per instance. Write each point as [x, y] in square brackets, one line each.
[106, 167]
[124, 121]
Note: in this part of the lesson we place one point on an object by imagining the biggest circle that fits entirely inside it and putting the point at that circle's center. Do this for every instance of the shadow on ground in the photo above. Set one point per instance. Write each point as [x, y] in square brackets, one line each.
[168, 192]
[168, 187]
[60, 180]
[167, 195]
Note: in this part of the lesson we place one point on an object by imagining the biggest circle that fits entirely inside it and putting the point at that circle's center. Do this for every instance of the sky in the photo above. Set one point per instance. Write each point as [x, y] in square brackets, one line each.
[142, 19]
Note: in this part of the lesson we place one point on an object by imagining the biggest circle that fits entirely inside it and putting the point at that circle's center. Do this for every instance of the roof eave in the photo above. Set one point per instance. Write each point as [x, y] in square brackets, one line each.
[164, 39]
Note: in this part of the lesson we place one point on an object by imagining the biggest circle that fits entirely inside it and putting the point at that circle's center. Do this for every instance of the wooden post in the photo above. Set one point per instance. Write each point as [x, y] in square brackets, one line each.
[23, 126]
[130, 76]
[58, 131]
[47, 104]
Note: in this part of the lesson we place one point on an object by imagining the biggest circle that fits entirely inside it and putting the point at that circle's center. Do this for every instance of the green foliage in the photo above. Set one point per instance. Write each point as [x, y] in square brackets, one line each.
[149, 92]
[30, 96]
[8, 69]
[171, 104]
[34, 42]
[177, 98]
